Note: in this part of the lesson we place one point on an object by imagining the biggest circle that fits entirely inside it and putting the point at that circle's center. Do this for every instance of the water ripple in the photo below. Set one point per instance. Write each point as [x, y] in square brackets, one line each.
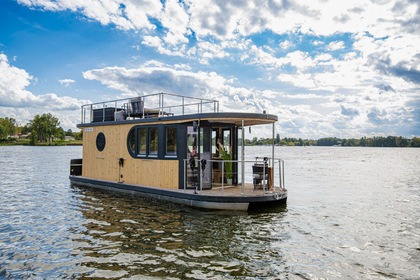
[348, 217]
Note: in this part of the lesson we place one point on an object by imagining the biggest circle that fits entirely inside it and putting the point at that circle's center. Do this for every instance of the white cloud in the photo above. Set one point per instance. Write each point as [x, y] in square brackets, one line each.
[17, 102]
[337, 45]
[126, 15]
[317, 43]
[206, 51]
[175, 18]
[13, 82]
[153, 78]
[312, 115]
[226, 19]
[286, 44]
[378, 42]
[66, 82]
[162, 47]
[214, 22]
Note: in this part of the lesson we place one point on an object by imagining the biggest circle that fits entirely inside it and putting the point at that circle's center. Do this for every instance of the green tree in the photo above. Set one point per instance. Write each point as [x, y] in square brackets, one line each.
[330, 141]
[415, 142]
[60, 133]
[300, 141]
[277, 142]
[69, 132]
[79, 135]
[7, 127]
[25, 129]
[45, 128]
[3, 134]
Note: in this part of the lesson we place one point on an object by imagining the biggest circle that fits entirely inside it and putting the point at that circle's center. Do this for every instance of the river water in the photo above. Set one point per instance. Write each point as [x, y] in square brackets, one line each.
[352, 213]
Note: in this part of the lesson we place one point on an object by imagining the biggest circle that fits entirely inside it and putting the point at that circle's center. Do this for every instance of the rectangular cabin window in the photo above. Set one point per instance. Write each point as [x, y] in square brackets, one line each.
[142, 138]
[170, 141]
[153, 141]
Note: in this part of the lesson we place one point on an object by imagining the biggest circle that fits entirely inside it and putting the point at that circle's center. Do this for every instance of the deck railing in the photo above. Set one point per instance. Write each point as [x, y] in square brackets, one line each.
[269, 177]
[154, 105]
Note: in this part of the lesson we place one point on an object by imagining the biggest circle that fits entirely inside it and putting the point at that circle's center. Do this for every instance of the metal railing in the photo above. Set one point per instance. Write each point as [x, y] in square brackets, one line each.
[199, 180]
[153, 105]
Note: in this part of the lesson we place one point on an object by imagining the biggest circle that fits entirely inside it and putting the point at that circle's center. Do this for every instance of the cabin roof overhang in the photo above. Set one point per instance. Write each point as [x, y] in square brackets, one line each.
[229, 118]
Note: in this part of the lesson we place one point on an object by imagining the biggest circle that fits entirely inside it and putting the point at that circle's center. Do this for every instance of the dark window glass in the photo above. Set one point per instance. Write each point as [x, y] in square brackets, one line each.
[132, 141]
[142, 140]
[153, 141]
[171, 141]
[100, 141]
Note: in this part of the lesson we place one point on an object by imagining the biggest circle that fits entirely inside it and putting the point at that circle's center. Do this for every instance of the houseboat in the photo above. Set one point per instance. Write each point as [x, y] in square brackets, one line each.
[179, 149]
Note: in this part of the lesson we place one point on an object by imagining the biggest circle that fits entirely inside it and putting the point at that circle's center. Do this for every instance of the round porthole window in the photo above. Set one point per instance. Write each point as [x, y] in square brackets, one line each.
[100, 141]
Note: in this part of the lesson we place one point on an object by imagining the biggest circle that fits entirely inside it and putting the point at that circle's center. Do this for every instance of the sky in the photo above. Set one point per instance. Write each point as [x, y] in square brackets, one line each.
[326, 68]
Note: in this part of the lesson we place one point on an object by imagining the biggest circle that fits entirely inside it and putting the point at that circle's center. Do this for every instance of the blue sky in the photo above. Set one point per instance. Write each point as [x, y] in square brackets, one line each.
[326, 68]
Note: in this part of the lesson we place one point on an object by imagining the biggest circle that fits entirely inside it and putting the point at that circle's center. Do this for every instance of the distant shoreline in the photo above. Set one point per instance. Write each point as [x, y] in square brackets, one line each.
[375, 141]
[52, 144]
[385, 142]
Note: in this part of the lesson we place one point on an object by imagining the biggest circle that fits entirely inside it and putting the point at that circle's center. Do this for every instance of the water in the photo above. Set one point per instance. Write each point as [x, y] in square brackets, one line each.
[352, 213]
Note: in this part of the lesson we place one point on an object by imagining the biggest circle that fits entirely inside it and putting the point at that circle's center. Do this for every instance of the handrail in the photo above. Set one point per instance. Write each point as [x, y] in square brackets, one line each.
[153, 105]
[198, 186]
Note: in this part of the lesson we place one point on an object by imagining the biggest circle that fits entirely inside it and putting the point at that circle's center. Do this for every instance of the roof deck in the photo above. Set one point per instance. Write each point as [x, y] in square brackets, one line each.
[148, 106]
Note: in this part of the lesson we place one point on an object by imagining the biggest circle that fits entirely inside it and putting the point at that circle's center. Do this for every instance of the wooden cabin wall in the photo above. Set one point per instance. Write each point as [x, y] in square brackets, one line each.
[104, 164]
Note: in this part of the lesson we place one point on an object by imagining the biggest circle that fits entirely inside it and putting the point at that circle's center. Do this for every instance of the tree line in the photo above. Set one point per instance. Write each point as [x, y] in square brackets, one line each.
[46, 128]
[41, 129]
[389, 141]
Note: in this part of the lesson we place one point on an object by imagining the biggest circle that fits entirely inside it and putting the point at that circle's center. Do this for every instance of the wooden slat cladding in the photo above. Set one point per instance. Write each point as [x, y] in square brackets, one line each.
[105, 165]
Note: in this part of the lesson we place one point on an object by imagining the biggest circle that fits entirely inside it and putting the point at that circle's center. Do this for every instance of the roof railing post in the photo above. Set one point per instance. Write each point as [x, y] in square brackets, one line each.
[103, 111]
[91, 112]
[128, 108]
[144, 101]
[115, 110]
[161, 96]
[183, 105]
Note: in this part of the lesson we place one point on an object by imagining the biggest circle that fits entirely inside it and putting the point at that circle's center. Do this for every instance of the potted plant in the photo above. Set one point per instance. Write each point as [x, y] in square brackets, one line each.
[228, 165]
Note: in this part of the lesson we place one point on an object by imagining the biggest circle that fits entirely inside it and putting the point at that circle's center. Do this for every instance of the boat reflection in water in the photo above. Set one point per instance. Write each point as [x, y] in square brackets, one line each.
[125, 236]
